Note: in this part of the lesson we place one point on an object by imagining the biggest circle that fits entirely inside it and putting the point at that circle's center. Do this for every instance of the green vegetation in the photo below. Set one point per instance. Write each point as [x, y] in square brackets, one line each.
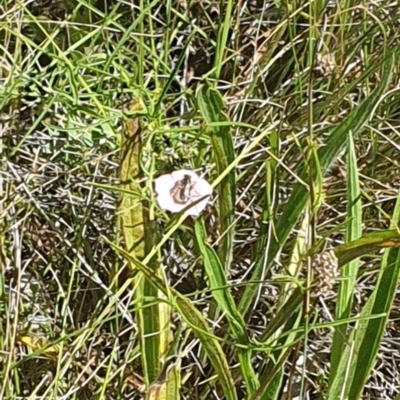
[285, 286]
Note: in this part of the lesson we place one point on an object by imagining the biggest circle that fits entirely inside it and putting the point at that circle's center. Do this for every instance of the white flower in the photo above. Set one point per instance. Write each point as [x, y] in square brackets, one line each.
[178, 190]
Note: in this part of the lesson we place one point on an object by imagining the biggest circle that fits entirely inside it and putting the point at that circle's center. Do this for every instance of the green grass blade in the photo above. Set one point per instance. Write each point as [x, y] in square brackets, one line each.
[220, 290]
[273, 389]
[195, 320]
[367, 244]
[361, 356]
[275, 367]
[369, 337]
[288, 309]
[211, 346]
[173, 74]
[349, 271]
[225, 27]
[211, 106]
[327, 154]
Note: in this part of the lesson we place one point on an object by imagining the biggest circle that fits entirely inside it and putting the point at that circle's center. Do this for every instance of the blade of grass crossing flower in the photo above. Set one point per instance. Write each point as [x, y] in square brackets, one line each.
[349, 271]
[220, 291]
[211, 106]
[361, 349]
[152, 315]
[298, 199]
[195, 320]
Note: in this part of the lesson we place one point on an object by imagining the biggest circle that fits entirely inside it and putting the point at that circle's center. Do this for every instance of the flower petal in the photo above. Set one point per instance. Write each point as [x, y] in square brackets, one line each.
[166, 202]
[202, 188]
[164, 183]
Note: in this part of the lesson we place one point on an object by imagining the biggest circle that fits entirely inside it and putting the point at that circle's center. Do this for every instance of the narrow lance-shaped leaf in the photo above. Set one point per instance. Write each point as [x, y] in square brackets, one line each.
[362, 348]
[326, 154]
[349, 271]
[195, 320]
[224, 28]
[220, 290]
[211, 106]
[152, 317]
[367, 244]
[130, 206]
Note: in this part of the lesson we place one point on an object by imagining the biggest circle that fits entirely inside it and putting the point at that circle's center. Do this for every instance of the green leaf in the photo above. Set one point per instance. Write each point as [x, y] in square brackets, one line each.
[211, 346]
[195, 320]
[349, 271]
[274, 387]
[152, 316]
[167, 386]
[272, 374]
[220, 290]
[362, 348]
[298, 199]
[367, 244]
[211, 106]
[131, 209]
[287, 310]
[224, 29]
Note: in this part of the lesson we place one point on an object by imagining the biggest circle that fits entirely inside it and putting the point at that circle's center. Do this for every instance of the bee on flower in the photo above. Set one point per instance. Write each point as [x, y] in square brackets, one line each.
[176, 191]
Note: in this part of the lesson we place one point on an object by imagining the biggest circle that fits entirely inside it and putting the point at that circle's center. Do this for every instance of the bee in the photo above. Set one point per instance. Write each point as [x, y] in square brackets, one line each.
[181, 191]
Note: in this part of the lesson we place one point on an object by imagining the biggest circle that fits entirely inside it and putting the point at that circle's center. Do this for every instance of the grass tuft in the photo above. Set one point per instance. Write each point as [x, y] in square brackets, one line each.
[289, 111]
